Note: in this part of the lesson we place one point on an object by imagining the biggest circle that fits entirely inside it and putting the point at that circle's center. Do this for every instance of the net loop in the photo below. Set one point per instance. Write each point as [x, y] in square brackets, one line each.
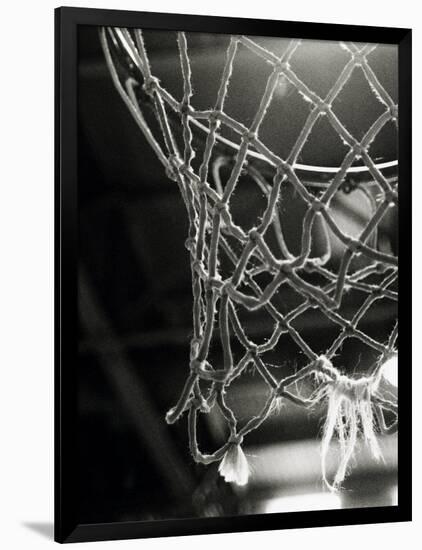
[150, 85]
[235, 439]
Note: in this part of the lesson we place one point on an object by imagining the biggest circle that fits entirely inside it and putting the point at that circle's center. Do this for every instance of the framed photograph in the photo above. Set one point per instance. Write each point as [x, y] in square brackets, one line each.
[232, 310]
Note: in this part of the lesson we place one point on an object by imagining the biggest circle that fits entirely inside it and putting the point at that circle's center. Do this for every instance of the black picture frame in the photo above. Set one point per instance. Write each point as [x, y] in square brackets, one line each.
[67, 525]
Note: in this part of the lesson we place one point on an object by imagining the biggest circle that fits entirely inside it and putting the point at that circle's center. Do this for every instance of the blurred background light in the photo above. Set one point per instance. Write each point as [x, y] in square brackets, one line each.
[390, 370]
[394, 496]
[299, 503]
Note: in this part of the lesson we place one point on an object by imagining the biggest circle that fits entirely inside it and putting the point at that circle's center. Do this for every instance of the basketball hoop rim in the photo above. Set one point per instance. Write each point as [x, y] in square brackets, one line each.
[312, 175]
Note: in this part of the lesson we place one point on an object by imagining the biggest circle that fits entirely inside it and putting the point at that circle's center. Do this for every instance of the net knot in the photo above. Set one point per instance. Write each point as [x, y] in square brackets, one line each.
[151, 84]
[394, 112]
[323, 107]
[170, 172]
[214, 118]
[348, 328]
[219, 385]
[253, 350]
[173, 167]
[313, 302]
[288, 170]
[227, 287]
[199, 402]
[354, 245]
[185, 108]
[285, 267]
[391, 197]
[190, 244]
[359, 58]
[195, 344]
[323, 365]
[282, 325]
[235, 439]
[357, 149]
[213, 283]
[354, 388]
[281, 169]
[377, 292]
[281, 66]
[183, 168]
[197, 267]
[249, 136]
[221, 207]
[254, 235]
[279, 390]
[380, 268]
[196, 366]
[202, 187]
[317, 206]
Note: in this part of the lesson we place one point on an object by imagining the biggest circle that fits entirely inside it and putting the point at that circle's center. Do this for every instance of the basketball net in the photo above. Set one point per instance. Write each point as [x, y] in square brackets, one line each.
[356, 408]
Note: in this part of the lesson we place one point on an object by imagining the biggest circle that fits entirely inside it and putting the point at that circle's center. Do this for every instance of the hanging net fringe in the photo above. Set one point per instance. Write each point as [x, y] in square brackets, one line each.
[355, 407]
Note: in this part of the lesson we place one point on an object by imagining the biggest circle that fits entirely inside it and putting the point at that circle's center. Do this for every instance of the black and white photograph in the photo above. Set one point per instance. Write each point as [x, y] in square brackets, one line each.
[237, 296]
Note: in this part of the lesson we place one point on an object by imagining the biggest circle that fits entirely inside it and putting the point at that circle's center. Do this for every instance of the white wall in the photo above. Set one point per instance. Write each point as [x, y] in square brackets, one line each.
[26, 269]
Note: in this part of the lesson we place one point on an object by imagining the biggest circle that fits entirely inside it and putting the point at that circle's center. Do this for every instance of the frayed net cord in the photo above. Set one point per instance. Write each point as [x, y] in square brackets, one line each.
[349, 412]
[234, 467]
